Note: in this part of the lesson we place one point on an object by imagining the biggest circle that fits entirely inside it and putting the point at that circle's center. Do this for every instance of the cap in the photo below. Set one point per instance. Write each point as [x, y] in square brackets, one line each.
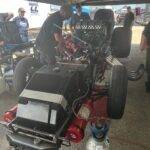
[21, 9]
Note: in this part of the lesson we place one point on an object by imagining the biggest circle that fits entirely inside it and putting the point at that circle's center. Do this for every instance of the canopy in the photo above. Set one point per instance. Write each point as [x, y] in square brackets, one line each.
[94, 2]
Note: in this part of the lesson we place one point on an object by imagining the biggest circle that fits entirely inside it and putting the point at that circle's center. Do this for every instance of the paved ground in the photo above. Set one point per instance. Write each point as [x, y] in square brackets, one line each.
[132, 132]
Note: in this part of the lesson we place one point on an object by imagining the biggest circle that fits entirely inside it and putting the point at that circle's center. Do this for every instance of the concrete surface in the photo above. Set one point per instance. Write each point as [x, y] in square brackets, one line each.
[132, 132]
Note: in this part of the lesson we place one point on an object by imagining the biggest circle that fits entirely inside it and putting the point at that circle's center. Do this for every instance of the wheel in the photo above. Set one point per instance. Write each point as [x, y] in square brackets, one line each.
[117, 92]
[22, 73]
[121, 42]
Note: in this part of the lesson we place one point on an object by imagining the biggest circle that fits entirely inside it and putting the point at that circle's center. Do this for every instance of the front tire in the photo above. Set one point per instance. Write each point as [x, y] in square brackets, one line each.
[117, 92]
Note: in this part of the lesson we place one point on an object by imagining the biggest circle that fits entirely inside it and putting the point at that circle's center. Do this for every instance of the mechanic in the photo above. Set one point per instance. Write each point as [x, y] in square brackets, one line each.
[22, 24]
[129, 18]
[78, 18]
[50, 35]
[145, 44]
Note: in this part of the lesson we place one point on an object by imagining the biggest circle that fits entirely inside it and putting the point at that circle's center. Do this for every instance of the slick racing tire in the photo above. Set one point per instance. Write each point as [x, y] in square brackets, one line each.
[121, 42]
[117, 92]
[23, 72]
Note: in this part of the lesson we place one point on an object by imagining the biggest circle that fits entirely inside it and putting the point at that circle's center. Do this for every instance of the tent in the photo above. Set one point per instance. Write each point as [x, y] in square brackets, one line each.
[94, 2]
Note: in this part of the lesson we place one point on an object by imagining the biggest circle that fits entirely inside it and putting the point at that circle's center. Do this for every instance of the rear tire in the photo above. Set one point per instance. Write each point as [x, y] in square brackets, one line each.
[121, 42]
[117, 92]
[21, 71]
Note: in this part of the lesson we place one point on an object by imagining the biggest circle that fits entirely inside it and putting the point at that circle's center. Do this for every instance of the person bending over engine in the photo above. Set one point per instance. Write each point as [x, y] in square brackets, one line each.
[51, 34]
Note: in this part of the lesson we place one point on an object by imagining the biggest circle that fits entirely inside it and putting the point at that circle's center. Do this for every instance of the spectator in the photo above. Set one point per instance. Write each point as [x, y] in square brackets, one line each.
[22, 24]
[78, 17]
[76, 21]
[129, 18]
[5, 17]
[145, 44]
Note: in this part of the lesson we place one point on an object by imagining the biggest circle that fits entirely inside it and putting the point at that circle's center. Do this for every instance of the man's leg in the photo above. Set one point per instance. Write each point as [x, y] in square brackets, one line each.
[48, 56]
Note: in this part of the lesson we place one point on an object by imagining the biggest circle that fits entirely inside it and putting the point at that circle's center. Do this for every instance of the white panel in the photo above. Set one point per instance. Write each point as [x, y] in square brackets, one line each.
[53, 117]
[44, 96]
[33, 111]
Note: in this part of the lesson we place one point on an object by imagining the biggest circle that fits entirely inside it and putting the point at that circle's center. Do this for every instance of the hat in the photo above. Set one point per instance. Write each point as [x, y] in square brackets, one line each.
[21, 9]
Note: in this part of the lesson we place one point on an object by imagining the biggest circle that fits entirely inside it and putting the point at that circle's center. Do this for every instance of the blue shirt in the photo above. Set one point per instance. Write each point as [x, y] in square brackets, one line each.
[23, 25]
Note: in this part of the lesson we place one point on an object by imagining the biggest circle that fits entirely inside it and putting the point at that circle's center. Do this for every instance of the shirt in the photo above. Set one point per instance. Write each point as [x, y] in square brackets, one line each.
[146, 32]
[129, 18]
[23, 25]
[45, 39]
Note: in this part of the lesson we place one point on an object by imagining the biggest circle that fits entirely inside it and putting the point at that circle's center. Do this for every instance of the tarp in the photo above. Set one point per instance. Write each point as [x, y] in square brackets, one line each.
[94, 2]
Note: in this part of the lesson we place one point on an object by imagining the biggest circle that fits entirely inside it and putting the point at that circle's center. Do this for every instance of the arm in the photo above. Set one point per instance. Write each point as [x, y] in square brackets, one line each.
[72, 24]
[58, 37]
[1, 43]
[57, 33]
[27, 23]
[145, 37]
[143, 44]
[16, 19]
[9, 16]
[1, 40]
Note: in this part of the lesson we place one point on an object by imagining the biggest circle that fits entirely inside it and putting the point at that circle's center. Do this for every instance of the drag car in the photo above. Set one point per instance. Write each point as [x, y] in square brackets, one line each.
[87, 85]
[70, 94]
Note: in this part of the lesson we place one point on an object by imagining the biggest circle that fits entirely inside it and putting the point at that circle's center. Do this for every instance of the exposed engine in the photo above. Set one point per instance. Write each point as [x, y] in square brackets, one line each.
[51, 91]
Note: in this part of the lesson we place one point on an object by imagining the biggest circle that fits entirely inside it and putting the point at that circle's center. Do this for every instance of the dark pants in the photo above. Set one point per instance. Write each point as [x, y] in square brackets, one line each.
[47, 55]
